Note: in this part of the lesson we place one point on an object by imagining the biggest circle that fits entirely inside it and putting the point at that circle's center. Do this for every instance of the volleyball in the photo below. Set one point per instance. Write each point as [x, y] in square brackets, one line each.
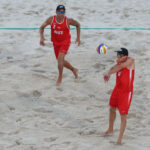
[101, 48]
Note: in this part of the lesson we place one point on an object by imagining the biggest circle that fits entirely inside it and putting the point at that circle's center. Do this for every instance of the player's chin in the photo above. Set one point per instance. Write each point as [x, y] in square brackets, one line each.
[62, 15]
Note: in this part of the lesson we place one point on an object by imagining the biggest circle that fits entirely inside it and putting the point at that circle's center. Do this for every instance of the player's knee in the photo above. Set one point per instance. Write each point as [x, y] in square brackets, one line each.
[60, 63]
[60, 60]
[123, 118]
[112, 109]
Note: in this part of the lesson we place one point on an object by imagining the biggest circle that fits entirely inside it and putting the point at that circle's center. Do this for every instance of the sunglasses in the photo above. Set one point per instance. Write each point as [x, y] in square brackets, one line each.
[61, 12]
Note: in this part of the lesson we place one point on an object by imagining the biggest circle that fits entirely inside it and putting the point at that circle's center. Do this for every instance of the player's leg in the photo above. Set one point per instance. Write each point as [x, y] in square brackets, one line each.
[122, 128]
[70, 67]
[112, 117]
[56, 50]
[60, 67]
[123, 106]
[64, 49]
[60, 61]
[112, 112]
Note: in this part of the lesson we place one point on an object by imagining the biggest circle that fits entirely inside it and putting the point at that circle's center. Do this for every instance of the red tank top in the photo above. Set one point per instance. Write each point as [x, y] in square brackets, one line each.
[60, 32]
[124, 79]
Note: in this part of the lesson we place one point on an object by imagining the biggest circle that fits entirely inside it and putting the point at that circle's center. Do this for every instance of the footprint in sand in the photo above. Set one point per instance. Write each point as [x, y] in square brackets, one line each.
[138, 92]
[42, 110]
[36, 93]
[21, 94]
[37, 65]
[91, 95]
[89, 120]
[19, 119]
[67, 143]
[126, 15]
[87, 132]
[18, 142]
[109, 12]
[125, 43]
[40, 71]
[51, 139]
[75, 8]
[109, 92]
[9, 57]
[88, 108]
[97, 65]
[11, 108]
[59, 88]
[110, 36]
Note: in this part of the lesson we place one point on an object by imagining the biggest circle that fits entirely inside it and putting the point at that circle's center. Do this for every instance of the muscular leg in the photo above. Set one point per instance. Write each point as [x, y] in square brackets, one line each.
[112, 117]
[60, 67]
[70, 67]
[122, 128]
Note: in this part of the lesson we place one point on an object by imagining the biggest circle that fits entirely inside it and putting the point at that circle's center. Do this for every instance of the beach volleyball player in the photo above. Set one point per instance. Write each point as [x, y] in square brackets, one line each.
[123, 90]
[61, 38]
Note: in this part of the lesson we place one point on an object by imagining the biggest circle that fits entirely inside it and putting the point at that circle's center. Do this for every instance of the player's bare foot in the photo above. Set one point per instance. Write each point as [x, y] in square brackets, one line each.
[107, 133]
[75, 72]
[59, 80]
[118, 142]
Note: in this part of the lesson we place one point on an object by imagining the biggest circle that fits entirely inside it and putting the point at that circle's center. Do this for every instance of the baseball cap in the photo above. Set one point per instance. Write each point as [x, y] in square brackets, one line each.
[122, 51]
[60, 7]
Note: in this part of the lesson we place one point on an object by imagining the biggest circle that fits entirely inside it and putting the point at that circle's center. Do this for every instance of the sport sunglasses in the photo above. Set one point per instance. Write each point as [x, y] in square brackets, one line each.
[61, 12]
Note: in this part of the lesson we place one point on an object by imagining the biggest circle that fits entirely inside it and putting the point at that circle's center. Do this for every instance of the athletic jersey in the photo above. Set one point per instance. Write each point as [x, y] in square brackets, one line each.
[124, 79]
[60, 32]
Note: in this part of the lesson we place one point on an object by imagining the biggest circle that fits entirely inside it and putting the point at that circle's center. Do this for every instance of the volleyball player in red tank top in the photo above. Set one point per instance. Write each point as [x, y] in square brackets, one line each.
[61, 38]
[122, 93]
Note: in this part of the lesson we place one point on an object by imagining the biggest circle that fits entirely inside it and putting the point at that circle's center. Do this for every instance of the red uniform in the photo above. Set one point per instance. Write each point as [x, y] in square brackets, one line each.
[60, 36]
[122, 93]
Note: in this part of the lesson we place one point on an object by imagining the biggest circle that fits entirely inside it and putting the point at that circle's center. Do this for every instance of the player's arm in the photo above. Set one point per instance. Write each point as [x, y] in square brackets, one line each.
[118, 67]
[46, 23]
[77, 25]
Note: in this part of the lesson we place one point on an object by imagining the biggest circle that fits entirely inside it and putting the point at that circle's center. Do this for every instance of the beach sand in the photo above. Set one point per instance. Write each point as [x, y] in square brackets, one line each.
[35, 114]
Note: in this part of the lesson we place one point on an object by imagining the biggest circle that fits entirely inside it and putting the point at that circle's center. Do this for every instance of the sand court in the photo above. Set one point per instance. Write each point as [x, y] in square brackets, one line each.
[37, 115]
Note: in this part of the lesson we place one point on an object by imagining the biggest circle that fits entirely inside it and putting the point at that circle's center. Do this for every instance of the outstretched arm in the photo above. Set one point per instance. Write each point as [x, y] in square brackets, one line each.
[77, 25]
[118, 67]
[46, 23]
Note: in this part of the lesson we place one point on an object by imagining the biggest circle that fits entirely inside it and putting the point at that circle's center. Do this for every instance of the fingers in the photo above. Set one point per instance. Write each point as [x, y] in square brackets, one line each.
[106, 78]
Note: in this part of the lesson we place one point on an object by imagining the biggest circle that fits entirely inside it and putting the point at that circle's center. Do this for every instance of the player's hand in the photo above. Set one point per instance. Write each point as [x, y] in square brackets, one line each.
[42, 41]
[106, 77]
[78, 41]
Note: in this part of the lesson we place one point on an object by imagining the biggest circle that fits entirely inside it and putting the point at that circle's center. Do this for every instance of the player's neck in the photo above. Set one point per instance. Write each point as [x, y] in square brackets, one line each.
[60, 19]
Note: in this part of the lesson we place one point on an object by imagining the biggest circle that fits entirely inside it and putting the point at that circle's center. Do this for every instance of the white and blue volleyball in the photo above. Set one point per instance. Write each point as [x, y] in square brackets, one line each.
[101, 49]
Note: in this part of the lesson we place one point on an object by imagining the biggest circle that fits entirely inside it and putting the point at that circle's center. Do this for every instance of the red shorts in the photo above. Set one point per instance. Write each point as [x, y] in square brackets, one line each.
[121, 100]
[60, 49]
